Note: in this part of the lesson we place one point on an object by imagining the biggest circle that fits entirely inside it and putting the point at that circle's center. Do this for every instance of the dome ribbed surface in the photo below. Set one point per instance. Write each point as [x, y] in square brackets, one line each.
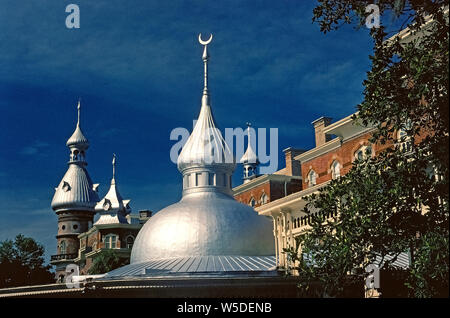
[202, 224]
[205, 145]
[75, 191]
[77, 138]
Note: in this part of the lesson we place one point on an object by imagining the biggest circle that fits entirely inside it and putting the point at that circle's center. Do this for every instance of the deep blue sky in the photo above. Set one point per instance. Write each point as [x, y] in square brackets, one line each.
[137, 67]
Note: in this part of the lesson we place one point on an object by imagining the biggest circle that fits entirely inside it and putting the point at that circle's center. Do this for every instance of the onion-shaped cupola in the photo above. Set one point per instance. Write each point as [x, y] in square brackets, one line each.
[250, 160]
[76, 189]
[113, 208]
[207, 221]
[206, 162]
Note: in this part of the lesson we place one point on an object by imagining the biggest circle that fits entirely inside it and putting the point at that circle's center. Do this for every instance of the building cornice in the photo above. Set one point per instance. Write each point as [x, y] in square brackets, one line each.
[109, 226]
[289, 202]
[262, 180]
[318, 151]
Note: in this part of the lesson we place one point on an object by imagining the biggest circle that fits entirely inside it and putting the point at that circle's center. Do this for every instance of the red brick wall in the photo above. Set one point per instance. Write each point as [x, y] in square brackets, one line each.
[344, 154]
[256, 193]
[273, 189]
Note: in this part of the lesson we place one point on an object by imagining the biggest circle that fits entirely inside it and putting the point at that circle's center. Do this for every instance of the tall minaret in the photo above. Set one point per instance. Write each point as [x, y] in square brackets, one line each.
[74, 202]
[249, 160]
[206, 162]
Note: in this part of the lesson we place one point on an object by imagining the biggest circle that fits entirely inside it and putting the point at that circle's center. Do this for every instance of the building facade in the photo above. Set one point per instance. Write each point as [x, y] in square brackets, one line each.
[262, 189]
[76, 202]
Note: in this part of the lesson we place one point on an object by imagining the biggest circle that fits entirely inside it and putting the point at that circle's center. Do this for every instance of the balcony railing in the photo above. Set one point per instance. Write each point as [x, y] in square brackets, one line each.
[307, 219]
[60, 257]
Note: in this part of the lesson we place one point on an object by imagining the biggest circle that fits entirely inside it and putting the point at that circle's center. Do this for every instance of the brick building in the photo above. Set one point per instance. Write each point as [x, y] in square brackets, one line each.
[263, 189]
[76, 201]
[109, 236]
[337, 146]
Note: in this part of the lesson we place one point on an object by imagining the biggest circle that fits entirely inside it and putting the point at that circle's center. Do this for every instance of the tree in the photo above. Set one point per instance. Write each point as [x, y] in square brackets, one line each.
[105, 262]
[22, 263]
[398, 201]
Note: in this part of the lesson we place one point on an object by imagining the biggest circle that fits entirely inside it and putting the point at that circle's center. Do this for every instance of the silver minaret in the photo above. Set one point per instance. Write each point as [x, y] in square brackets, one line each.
[207, 223]
[74, 201]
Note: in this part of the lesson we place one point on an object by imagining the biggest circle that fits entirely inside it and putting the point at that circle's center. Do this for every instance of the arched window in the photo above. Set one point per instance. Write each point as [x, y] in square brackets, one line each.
[252, 202]
[311, 178]
[62, 247]
[130, 242]
[404, 138]
[111, 241]
[363, 153]
[263, 198]
[335, 169]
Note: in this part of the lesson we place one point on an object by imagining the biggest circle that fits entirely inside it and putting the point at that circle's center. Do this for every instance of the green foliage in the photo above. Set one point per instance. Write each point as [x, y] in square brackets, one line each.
[105, 262]
[381, 200]
[22, 263]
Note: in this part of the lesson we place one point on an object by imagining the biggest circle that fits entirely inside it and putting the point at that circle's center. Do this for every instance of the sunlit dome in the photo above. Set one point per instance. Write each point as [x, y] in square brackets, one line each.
[207, 221]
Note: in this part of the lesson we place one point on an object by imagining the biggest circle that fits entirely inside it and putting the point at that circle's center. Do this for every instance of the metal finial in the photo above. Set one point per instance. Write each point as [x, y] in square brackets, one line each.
[248, 129]
[79, 110]
[114, 166]
[205, 58]
[204, 42]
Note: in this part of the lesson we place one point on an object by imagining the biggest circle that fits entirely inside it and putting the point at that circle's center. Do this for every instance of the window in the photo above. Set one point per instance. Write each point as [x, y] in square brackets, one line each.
[311, 178]
[404, 138]
[335, 169]
[363, 153]
[211, 178]
[263, 198]
[252, 202]
[130, 242]
[66, 186]
[62, 247]
[111, 241]
[197, 179]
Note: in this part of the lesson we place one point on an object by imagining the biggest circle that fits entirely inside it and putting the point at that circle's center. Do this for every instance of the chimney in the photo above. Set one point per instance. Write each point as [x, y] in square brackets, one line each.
[292, 166]
[319, 125]
[144, 215]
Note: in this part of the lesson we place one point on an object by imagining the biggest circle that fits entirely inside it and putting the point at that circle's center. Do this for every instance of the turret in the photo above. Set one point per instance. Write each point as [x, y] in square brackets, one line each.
[73, 202]
[249, 160]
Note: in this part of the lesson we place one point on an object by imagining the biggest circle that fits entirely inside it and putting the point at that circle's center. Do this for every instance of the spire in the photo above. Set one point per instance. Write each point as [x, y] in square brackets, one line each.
[205, 58]
[113, 208]
[76, 189]
[113, 181]
[206, 151]
[249, 160]
[78, 140]
[79, 112]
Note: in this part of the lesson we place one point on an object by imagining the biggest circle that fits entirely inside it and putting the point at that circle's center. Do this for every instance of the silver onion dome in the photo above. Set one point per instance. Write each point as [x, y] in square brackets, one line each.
[78, 139]
[207, 221]
[204, 224]
[249, 155]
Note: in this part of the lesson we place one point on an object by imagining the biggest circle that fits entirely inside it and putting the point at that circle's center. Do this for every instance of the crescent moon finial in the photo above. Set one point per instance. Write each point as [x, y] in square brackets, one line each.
[204, 42]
